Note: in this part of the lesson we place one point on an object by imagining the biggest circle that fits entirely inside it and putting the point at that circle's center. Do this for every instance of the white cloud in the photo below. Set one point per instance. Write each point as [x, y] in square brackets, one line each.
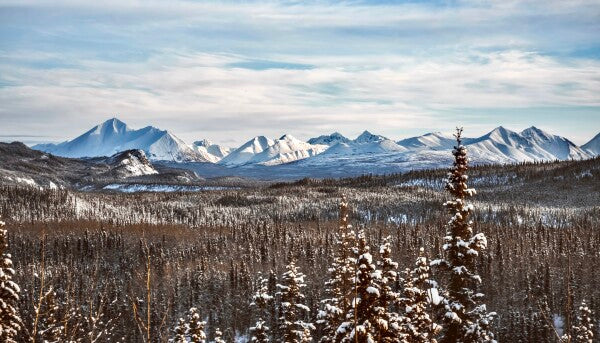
[197, 95]
[394, 69]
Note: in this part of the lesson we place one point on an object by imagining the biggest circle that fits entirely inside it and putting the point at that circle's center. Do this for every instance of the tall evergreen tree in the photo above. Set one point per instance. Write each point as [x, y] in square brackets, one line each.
[466, 318]
[388, 323]
[583, 331]
[340, 286]
[360, 323]
[293, 313]
[52, 326]
[261, 301]
[419, 294]
[10, 322]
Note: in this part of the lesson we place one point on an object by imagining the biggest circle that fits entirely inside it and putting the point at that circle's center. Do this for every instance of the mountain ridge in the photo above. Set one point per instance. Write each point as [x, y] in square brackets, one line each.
[368, 152]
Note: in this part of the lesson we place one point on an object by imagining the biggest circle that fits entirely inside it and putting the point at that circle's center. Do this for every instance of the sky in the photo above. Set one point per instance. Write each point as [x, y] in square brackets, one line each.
[231, 70]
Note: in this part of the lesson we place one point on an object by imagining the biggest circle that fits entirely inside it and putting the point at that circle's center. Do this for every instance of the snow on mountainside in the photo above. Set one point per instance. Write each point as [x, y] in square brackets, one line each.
[247, 151]
[433, 140]
[369, 153]
[287, 149]
[353, 148]
[593, 146]
[131, 163]
[330, 140]
[505, 146]
[212, 152]
[366, 143]
[433, 151]
[114, 136]
[367, 137]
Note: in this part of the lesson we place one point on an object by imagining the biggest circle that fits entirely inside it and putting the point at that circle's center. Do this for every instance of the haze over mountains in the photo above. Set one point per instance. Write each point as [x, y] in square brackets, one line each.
[329, 155]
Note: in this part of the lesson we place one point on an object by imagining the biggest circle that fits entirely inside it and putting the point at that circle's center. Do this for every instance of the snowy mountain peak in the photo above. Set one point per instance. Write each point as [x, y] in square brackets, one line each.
[113, 136]
[287, 137]
[368, 137]
[432, 140]
[532, 144]
[501, 130]
[593, 146]
[132, 163]
[534, 132]
[203, 142]
[210, 151]
[110, 126]
[287, 149]
[330, 140]
[247, 151]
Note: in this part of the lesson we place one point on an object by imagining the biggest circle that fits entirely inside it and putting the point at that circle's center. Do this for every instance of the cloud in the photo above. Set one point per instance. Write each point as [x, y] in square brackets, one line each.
[230, 70]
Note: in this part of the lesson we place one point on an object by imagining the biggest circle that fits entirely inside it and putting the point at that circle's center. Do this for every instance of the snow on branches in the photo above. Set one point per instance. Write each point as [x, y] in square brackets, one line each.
[293, 312]
[466, 319]
[10, 322]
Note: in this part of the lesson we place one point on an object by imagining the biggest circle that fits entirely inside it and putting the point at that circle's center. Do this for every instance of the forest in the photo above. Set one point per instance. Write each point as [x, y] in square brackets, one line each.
[471, 254]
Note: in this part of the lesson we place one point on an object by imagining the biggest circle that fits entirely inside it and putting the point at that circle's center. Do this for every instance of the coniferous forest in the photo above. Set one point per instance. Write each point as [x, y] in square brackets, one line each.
[470, 254]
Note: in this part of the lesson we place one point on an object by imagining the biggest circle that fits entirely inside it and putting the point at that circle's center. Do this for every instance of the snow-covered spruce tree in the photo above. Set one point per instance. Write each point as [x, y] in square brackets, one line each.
[360, 323]
[419, 295]
[293, 312]
[10, 322]
[466, 319]
[219, 336]
[583, 331]
[52, 326]
[340, 286]
[195, 327]
[388, 323]
[261, 301]
[180, 331]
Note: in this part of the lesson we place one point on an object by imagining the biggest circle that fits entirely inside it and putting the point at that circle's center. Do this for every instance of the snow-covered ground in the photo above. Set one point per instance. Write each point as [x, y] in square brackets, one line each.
[135, 187]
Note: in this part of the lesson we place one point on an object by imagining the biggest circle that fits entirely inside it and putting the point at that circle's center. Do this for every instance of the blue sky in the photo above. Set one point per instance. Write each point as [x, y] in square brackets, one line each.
[231, 70]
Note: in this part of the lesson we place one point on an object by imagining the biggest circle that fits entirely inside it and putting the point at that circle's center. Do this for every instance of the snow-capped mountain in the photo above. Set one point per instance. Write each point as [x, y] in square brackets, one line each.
[366, 143]
[286, 149]
[330, 140]
[367, 137]
[433, 140]
[331, 154]
[131, 163]
[247, 151]
[114, 136]
[505, 146]
[214, 149]
[593, 146]
[212, 152]
[374, 147]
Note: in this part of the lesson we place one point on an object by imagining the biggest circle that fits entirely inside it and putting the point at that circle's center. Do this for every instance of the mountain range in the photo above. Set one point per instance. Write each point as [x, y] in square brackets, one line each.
[332, 154]
[114, 136]
[20, 164]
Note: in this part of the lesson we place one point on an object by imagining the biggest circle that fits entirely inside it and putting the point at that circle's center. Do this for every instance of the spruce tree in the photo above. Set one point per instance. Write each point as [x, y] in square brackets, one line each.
[293, 312]
[419, 295]
[195, 327]
[466, 318]
[219, 336]
[261, 301]
[52, 326]
[340, 286]
[10, 322]
[180, 331]
[360, 323]
[583, 332]
[388, 323]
